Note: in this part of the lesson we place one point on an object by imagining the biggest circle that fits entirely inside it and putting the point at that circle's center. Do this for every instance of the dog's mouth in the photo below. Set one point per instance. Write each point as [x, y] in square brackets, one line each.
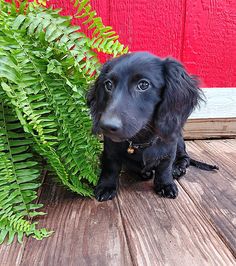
[121, 138]
[126, 135]
[113, 137]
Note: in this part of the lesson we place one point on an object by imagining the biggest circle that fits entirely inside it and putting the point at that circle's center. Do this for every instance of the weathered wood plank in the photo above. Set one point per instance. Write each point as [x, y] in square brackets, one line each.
[210, 128]
[197, 228]
[10, 255]
[213, 119]
[230, 143]
[86, 232]
[168, 232]
[217, 99]
[214, 193]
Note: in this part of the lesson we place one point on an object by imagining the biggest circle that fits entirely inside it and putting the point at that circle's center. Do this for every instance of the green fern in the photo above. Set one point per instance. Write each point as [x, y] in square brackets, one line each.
[18, 180]
[58, 101]
[46, 66]
[104, 39]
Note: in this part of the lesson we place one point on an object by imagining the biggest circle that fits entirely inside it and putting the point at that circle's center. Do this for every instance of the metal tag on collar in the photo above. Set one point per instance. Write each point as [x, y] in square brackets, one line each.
[130, 149]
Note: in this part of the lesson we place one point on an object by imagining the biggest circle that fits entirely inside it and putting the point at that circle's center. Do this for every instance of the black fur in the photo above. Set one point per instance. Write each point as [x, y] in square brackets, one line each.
[141, 98]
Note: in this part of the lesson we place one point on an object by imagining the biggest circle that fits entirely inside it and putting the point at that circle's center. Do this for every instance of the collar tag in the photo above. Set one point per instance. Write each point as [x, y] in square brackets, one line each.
[130, 149]
[133, 147]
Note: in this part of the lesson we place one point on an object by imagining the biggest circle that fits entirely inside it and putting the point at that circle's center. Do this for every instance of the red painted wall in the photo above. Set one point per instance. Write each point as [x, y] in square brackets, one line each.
[200, 33]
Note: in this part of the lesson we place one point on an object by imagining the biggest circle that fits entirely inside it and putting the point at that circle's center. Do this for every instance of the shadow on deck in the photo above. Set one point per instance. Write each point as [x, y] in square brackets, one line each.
[139, 227]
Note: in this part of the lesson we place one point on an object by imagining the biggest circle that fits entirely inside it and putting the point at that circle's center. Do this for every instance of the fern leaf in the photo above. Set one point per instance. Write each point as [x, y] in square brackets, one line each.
[46, 66]
[98, 29]
[58, 98]
[18, 180]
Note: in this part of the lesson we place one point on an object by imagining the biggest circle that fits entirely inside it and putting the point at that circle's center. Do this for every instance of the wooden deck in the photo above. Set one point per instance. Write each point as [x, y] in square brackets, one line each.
[139, 227]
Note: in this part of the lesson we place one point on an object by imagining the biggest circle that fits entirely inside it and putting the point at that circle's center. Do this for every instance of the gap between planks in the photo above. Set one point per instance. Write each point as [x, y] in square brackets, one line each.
[86, 232]
[203, 217]
[157, 229]
[222, 238]
[209, 221]
[125, 231]
[223, 225]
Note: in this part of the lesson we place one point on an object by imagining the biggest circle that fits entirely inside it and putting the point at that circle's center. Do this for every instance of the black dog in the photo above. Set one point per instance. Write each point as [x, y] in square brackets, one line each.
[140, 103]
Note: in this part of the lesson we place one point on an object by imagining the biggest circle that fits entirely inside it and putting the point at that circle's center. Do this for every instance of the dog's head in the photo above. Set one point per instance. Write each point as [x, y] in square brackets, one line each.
[139, 89]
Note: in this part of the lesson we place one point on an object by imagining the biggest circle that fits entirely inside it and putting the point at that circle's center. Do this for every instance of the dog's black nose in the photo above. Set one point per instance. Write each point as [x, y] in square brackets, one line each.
[112, 124]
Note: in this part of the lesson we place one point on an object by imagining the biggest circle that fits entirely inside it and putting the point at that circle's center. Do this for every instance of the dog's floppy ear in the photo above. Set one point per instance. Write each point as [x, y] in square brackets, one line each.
[96, 97]
[92, 103]
[180, 96]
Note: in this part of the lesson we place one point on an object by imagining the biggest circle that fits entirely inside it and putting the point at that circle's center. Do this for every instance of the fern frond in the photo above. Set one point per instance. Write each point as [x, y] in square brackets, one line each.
[18, 180]
[52, 31]
[56, 114]
[104, 38]
[46, 66]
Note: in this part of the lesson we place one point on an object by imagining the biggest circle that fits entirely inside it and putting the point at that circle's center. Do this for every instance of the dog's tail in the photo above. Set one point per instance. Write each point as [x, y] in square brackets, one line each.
[203, 166]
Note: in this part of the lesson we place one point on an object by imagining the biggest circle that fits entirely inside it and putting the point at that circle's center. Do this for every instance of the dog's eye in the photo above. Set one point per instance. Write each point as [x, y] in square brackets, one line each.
[143, 85]
[108, 85]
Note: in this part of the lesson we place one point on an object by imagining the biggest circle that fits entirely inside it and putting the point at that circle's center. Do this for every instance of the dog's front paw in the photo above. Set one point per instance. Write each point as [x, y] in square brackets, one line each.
[104, 192]
[167, 190]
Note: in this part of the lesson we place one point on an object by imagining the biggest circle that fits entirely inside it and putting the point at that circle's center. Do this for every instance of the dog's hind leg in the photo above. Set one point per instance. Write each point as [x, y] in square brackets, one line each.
[135, 169]
[182, 160]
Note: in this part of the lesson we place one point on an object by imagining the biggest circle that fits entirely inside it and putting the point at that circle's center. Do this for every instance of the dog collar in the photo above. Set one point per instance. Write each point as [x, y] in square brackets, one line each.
[135, 146]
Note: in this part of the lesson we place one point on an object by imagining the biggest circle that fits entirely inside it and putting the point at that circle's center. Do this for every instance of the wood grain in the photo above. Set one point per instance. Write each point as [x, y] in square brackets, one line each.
[10, 255]
[210, 128]
[168, 232]
[200, 33]
[139, 227]
[214, 193]
[219, 103]
[209, 41]
[86, 232]
[154, 26]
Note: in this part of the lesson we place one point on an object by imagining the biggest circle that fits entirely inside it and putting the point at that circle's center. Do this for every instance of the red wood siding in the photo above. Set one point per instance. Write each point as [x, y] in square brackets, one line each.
[200, 33]
[210, 41]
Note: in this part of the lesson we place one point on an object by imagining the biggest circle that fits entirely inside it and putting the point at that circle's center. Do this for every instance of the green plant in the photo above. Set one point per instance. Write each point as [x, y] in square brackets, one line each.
[46, 66]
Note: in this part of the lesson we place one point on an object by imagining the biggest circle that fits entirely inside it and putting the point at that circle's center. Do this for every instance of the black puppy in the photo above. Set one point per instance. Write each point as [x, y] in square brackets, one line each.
[140, 103]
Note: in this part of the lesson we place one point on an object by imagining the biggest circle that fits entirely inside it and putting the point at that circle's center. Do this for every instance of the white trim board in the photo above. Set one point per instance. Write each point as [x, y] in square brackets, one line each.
[220, 103]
